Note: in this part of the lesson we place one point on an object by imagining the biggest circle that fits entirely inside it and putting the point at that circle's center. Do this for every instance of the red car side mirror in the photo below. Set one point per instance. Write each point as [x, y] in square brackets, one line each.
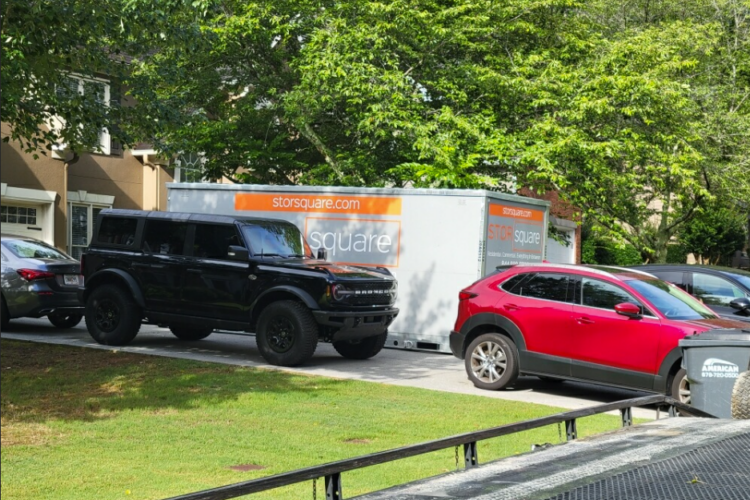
[628, 309]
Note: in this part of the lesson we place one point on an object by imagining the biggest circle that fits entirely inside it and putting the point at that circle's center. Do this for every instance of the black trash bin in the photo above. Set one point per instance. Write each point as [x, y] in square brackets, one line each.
[713, 361]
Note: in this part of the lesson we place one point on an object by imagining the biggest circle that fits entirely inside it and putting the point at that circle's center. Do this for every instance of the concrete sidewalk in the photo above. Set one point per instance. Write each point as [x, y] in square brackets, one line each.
[425, 370]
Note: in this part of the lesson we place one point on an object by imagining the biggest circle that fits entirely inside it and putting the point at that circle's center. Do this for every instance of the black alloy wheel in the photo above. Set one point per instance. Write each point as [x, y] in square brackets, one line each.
[287, 334]
[112, 316]
[107, 315]
[280, 333]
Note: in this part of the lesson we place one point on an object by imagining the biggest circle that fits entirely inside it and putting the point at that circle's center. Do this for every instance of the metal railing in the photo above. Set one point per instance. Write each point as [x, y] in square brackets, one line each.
[332, 471]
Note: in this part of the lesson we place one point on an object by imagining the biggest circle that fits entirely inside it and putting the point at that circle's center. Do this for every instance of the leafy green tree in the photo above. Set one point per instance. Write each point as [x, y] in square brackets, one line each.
[654, 123]
[637, 114]
[351, 93]
[715, 233]
[46, 42]
[43, 43]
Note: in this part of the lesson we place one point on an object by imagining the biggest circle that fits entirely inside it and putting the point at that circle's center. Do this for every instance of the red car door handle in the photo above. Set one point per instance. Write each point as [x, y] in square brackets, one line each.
[511, 307]
[585, 321]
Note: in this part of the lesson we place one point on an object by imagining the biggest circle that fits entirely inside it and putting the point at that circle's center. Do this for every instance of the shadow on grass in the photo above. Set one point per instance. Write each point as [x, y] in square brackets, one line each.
[43, 381]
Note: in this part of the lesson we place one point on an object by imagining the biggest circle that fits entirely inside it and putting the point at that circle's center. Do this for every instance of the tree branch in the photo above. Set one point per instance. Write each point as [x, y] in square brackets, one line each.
[307, 131]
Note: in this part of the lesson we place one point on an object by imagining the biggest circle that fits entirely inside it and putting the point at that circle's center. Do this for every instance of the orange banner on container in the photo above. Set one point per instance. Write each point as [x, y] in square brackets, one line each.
[516, 212]
[309, 203]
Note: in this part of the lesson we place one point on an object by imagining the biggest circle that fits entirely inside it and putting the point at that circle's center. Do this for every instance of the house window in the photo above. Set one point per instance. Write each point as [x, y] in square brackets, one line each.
[101, 92]
[189, 168]
[18, 215]
[81, 226]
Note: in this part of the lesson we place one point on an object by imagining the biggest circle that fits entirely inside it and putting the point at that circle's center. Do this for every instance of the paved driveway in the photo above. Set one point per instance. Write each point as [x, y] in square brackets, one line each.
[426, 370]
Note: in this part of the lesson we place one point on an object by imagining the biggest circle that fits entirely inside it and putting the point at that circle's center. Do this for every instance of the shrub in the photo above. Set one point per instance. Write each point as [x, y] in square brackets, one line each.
[607, 252]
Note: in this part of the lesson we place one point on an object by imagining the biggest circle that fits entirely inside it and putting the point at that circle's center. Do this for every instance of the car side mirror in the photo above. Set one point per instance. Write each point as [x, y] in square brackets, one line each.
[236, 252]
[628, 309]
[741, 304]
[322, 254]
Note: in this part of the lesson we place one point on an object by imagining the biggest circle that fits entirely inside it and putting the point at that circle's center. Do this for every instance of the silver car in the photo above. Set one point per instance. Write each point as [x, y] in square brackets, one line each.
[39, 280]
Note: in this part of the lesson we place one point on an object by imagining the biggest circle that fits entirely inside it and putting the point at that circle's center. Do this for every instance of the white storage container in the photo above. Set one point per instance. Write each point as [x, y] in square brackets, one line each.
[435, 241]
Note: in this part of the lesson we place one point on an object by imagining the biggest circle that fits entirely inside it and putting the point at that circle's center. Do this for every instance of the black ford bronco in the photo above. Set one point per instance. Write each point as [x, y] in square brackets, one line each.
[195, 273]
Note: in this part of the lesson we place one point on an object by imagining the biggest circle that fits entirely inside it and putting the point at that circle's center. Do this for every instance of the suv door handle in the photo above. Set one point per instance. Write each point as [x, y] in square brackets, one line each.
[195, 271]
[511, 307]
[583, 320]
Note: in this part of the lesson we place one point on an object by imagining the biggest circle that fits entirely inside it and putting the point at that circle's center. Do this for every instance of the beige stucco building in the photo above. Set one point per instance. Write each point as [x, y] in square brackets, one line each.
[56, 199]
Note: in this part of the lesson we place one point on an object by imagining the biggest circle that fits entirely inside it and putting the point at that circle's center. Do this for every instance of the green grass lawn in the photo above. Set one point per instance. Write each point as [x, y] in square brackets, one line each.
[91, 424]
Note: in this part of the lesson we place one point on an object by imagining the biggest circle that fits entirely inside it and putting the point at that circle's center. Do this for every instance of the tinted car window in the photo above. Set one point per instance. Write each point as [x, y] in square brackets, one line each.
[715, 291]
[676, 277]
[603, 295]
[512, 283]
[117, 230]
[213, 240]
[28, 249]
[548, 286]
[670, 300]
[165, 237]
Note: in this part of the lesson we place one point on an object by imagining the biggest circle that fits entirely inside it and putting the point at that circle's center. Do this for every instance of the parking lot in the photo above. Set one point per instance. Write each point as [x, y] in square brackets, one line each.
[426, 370]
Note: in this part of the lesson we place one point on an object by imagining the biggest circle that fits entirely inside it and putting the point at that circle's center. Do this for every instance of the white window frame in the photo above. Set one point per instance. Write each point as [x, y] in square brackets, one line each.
[189, 162]
[105, 145]
[42, 200]
[91, 202]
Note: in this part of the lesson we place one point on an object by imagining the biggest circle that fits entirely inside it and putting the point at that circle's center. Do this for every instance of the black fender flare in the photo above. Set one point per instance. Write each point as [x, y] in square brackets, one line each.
[302, 295]
[495, 320]
[121, 276]
[662, 378]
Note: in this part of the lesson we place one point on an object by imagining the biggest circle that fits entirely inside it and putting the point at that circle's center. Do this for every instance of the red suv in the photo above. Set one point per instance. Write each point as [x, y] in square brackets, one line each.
[599, 324]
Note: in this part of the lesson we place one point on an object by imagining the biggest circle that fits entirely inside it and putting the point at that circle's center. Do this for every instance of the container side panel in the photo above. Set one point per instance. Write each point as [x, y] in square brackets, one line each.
[515, 234]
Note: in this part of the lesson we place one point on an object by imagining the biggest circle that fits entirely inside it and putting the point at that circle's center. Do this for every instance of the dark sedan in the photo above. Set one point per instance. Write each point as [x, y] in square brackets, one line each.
[724, 289]
[39, 280]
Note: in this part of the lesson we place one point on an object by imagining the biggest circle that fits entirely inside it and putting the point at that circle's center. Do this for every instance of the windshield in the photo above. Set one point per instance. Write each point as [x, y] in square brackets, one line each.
[28, 249]
[269, 239]
[670, 300]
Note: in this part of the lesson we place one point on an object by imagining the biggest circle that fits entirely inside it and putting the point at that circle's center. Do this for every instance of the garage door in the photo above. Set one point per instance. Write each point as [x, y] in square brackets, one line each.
[22, 220]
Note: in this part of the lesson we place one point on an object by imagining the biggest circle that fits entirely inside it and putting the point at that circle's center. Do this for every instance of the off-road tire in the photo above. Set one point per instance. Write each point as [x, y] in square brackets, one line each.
[4, 315]
[361, 349]
[488, 353]
[287, 334]
[679, 387]
[112, 316]
[741, 397]
[63, 320]
[183, 332]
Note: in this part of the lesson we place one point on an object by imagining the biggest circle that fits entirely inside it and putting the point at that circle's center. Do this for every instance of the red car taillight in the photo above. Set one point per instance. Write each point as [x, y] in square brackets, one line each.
[464, 295]
[34, 274]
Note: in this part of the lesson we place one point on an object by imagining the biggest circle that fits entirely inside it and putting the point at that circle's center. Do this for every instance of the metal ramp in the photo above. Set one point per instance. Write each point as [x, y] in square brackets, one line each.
[670, 459]
[686, 458]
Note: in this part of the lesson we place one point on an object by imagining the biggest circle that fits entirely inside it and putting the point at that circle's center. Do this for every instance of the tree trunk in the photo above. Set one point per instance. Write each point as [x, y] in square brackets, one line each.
[660, 250]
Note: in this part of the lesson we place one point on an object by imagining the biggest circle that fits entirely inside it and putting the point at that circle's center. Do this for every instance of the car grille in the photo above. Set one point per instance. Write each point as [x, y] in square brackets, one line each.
[372, 294]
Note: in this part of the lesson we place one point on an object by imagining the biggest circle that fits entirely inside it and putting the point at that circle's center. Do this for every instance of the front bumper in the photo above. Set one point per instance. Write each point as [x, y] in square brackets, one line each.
[348, 325]
[457, 340]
